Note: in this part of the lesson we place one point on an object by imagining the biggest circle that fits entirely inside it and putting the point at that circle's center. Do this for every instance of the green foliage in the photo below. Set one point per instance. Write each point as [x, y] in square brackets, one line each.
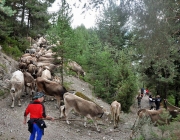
[159, 59]
[1, 93]
[171, 99]
[12, 51]
[127, 85]
[6, 9]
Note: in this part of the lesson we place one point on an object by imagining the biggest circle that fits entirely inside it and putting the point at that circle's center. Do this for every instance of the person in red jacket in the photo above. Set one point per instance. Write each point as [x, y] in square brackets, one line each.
[37, 113]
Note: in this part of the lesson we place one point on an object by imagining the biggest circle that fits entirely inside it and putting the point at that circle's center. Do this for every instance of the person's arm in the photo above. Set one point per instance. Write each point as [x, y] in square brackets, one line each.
[26, 112]
[46, 117]
[25, 119]
[49, 118]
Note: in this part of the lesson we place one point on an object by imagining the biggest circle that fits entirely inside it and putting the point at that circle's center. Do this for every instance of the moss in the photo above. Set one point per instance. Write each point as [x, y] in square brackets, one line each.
[84, 97]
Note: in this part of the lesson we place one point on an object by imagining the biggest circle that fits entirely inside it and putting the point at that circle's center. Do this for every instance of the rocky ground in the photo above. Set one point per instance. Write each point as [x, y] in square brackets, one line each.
[11, 120]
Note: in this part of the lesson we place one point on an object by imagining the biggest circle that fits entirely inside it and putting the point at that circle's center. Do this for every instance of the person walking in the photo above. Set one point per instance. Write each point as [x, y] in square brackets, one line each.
[147, 91]
[157, 102]
[142, 92]
[37, 113]
[139, 100]
[151, 102]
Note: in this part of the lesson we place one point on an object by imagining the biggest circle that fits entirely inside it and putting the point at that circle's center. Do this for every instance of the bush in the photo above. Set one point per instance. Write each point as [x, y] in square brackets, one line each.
[12, 51]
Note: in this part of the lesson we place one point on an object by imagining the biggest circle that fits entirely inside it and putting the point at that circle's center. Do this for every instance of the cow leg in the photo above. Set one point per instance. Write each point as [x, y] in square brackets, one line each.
[62, 108]
[85, 119]
[94, 121]
[66, 114]
[112, 118]
[58, 101]
[13, 98]
[78, 74]
[116, 120]
[19, 98]
[26, 91]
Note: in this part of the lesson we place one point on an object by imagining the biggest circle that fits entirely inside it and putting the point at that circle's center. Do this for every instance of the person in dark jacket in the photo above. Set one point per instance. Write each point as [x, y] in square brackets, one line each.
[151, 102]
[157, 102]
[37, 113]
[139, 100]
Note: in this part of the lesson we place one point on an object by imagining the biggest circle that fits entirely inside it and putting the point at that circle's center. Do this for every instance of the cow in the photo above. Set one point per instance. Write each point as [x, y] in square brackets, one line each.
[72, 65]
[81, 106]
[51, 88]
[46, 74]
[22, 66]
[46, 59]
[159, 117]
[115, 113]
[29, 83]
[155, 115]
[30, 51]
[33, 70]
[16, 86]
[173, 110]
[39, 71]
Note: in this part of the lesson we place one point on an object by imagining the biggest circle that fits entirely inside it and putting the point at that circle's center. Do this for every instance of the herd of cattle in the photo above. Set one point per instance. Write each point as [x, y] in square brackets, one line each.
[36, 73]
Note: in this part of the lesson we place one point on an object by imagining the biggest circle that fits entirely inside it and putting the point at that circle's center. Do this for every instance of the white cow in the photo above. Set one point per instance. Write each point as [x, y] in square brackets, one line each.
[17, 86]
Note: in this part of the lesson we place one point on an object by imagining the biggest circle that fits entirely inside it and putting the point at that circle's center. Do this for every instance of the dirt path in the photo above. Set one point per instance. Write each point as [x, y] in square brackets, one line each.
[11, 120]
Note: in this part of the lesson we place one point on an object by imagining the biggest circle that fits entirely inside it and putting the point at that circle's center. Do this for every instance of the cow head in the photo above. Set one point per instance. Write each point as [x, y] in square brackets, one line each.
[15, 85]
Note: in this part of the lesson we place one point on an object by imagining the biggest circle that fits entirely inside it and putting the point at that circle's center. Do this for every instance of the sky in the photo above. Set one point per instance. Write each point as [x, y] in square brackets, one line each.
[88, 19]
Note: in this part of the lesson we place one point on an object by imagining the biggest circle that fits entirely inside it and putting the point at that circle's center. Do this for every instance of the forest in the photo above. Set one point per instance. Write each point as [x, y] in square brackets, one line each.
[134, 44]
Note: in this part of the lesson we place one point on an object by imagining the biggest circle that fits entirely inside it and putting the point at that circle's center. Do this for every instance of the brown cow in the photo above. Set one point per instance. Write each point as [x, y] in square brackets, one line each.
[115, 112]
[159, 117]
[32, 69]
[173, 110]
[22, 66]
[72, 65]
[29, 83]
[156, 117]
[39, 71]
[83, 107]
[47, 75]
[51, 88]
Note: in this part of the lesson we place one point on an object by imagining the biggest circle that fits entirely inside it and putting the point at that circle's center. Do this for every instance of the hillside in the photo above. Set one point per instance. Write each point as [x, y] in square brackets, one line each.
[11, 120]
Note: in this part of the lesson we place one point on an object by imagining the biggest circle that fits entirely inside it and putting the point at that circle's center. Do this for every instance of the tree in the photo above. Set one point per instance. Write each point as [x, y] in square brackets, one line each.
[5, 12]
[159, 46]
[62, 32]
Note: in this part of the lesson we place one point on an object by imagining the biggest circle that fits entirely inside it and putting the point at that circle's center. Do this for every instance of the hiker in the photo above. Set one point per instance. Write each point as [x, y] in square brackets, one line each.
[37, 113]
[151, 102]
[139, 100]
[157, 102]
[142, 92]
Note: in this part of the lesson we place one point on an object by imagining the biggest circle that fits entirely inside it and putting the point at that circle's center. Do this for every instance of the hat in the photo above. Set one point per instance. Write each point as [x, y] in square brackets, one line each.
[38, 95]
